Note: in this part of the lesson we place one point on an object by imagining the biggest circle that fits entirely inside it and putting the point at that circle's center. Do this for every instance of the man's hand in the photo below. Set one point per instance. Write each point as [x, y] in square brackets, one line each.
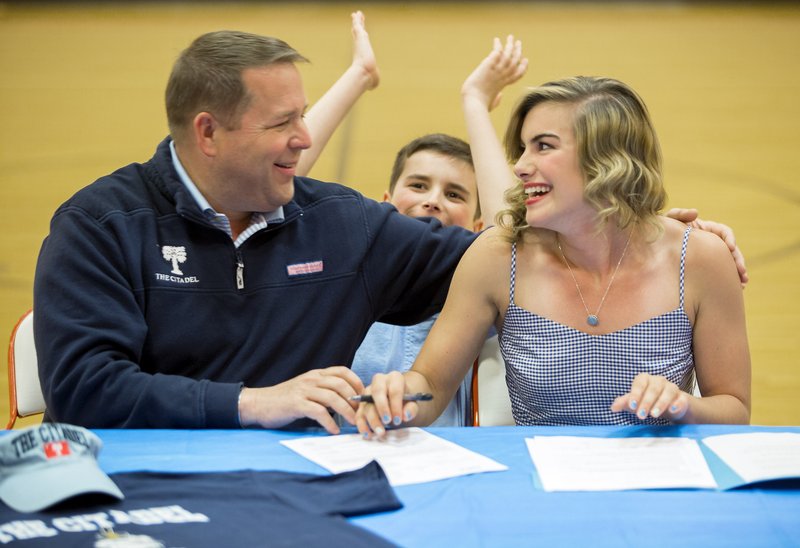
[312, 395]
[689, 216]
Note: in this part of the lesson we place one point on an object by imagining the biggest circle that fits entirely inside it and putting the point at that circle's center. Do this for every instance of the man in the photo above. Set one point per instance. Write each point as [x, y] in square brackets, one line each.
[209, 287]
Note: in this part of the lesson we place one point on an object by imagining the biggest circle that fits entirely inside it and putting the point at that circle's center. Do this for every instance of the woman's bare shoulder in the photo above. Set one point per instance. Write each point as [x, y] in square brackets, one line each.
[493, 241]
[706, 253]
[699, 240]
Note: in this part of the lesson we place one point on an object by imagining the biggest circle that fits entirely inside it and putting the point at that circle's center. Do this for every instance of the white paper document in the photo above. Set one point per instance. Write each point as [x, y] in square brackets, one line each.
[567, 463]
[407, 455]
[759, 456]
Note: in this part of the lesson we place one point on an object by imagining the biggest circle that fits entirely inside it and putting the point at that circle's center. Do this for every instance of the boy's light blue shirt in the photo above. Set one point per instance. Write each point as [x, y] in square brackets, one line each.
[394, 348]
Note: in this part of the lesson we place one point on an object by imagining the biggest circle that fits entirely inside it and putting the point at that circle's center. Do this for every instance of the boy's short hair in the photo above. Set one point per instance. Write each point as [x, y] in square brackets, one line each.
[441, 143]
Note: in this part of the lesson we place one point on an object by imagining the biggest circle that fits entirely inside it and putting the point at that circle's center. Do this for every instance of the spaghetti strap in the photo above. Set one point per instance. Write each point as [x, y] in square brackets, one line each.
[683, 261]
[513, 272]
[558, 375]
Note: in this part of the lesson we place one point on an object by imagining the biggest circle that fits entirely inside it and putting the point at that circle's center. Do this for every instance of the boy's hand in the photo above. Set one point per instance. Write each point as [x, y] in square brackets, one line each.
[363, 55]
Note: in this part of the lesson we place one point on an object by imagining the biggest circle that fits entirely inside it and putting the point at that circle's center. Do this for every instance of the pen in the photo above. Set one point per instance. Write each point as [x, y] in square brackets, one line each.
[420, 396]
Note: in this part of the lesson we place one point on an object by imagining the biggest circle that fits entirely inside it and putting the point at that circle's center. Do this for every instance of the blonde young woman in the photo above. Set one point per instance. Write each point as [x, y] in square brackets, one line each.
[606, 311]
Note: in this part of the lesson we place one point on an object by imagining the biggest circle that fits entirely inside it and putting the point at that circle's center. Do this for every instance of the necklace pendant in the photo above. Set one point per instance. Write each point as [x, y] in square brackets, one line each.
[592, 320]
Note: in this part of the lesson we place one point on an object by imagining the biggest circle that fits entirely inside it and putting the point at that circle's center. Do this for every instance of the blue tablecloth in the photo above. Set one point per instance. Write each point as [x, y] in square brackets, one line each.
[503, 508]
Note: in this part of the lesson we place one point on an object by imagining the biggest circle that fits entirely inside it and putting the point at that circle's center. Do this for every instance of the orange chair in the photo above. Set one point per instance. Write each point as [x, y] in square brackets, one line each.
[24, 389]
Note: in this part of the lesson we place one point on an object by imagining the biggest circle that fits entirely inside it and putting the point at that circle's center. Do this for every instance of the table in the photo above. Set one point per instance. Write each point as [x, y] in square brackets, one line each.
[503, 508]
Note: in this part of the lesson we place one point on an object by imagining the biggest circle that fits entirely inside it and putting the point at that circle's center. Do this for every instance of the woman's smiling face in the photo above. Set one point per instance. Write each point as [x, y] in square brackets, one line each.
[549, 167]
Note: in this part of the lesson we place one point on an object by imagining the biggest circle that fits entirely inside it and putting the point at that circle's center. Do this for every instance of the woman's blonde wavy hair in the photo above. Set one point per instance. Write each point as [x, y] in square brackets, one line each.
[618, 151]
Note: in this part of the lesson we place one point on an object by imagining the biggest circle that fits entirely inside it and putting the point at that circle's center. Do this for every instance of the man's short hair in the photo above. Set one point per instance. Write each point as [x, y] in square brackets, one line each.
[207, 76]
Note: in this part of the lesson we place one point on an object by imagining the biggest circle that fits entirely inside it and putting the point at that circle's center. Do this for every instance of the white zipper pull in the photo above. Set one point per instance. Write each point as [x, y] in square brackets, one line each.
[239, 272]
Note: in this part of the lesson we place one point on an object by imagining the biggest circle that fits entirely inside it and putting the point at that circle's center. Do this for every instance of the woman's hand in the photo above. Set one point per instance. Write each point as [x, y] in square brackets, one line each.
[502, 67]
[388, 409]
[653, 396]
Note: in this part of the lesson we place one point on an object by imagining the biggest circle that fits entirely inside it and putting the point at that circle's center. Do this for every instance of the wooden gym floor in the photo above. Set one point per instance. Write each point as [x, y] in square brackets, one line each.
[82, 85]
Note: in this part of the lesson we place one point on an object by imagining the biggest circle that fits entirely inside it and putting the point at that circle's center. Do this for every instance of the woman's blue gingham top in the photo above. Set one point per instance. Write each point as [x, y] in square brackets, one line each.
[557, 375]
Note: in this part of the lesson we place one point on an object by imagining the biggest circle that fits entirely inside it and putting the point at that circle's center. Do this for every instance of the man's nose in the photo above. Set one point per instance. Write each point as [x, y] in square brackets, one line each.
[302, 137]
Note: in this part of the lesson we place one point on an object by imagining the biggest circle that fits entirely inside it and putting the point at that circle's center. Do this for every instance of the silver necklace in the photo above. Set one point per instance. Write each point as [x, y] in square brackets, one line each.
[593, 319]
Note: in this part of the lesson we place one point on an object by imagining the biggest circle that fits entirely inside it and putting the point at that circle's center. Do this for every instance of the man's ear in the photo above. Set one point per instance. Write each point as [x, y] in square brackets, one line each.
[204, 127]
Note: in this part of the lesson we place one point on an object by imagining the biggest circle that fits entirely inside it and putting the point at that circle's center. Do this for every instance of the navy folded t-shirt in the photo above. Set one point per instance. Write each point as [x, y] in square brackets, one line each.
[243, 508]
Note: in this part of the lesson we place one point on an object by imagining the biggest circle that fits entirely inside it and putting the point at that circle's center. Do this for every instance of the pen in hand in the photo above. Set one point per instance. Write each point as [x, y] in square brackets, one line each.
[420, 396]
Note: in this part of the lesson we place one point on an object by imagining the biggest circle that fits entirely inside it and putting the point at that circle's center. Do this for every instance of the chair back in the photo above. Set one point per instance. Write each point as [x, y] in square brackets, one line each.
[23, 372]
[491, 405]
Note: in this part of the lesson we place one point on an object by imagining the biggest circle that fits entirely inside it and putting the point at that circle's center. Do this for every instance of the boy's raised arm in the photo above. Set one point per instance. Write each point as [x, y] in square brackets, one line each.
[325, 116]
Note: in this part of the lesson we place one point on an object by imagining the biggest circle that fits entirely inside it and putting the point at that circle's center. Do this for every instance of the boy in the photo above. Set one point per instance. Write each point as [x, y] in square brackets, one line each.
[433, 176]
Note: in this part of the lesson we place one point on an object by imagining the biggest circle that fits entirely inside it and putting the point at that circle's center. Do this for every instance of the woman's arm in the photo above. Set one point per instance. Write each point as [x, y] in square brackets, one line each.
[327, 113]
[721, 354]
[451, 346]
[721, 351]
[481, 93]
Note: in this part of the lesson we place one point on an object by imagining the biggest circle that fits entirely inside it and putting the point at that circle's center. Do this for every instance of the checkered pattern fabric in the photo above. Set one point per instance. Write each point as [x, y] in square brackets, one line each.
[558, 375]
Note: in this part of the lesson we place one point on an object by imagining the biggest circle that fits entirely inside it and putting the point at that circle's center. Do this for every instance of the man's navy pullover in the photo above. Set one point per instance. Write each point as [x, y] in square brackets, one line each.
[148, 316]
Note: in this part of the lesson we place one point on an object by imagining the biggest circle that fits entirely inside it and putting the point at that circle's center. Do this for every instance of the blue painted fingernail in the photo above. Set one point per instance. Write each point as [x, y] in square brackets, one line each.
[633, 404]
[655, 412]
[642, 413]
[673, 408]
[379, 431]
[365, 435]
[397, 421]
[386, 419]
[408, 415]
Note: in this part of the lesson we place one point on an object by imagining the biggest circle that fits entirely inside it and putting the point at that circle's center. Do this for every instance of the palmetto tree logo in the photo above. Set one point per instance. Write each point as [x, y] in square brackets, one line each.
[176, 254]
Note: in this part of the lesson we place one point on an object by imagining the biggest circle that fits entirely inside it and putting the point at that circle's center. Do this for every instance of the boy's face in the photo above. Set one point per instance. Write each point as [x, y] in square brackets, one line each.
[435, 185]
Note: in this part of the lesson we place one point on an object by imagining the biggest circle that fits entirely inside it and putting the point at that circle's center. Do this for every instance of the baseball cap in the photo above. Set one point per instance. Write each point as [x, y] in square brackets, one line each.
[46, 464]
